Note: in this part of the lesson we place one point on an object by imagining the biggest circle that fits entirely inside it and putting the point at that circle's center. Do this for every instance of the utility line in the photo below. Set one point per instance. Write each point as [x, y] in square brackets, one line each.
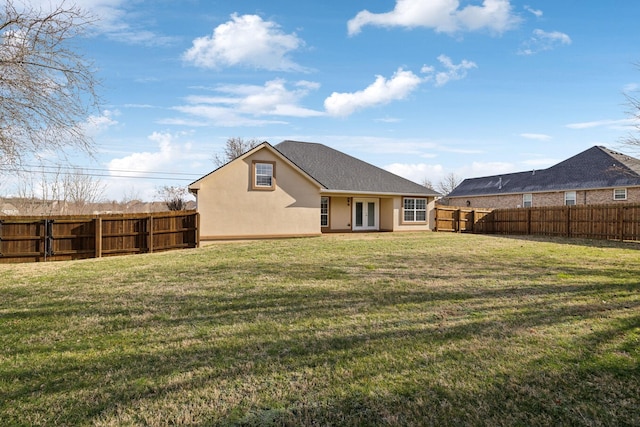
[120, 176]
[82, 169]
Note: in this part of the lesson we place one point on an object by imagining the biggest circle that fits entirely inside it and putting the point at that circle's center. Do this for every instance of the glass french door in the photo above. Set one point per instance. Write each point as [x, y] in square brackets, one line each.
[365, 214]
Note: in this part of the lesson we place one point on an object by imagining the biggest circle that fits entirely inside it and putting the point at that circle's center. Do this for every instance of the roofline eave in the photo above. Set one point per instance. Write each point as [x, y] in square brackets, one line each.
[375, 193]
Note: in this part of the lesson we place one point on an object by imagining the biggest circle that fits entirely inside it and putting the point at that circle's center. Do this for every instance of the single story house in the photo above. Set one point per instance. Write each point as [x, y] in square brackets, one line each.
[595, 176]
[305, 189]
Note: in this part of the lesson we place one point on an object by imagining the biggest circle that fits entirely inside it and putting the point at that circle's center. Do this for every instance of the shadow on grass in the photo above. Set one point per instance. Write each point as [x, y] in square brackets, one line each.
[352, 344]
[573, 241]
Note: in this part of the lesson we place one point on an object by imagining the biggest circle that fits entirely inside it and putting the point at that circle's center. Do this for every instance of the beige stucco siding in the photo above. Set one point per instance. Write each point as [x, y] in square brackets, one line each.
[339, 213]
[390, 213]
[400, 225]
[229, 208]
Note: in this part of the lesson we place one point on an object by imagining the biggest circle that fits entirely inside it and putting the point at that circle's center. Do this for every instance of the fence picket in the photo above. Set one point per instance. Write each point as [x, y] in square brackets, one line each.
[609, 222]
[55, 238]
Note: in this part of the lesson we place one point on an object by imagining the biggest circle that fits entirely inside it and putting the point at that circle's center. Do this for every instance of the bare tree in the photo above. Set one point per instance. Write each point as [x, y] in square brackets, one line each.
[47, 88]
[633, 139]
[426, 182]
[38, 191]
[448, 183]
[174, 197]
[80, 190]
[52, 191]
[234, 148]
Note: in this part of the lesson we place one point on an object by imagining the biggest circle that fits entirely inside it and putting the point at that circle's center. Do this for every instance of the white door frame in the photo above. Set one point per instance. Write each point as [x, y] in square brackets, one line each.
[366, 225]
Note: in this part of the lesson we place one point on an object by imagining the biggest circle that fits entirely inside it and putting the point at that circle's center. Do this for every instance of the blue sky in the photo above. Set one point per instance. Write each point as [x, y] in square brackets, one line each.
[422, 88]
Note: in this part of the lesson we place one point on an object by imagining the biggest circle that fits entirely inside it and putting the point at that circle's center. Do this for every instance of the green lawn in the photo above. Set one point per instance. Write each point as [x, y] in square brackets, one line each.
[367, 329]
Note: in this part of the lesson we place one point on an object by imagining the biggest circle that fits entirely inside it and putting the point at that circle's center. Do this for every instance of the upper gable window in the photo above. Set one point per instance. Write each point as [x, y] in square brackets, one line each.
[263, 175]
[620, 194]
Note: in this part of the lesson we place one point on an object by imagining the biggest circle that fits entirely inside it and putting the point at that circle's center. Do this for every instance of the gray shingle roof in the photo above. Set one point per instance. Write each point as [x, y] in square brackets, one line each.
[338, 171]
[597, 167]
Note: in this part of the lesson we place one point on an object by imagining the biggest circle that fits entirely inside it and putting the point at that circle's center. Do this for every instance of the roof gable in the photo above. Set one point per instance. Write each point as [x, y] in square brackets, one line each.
[597, 167]
[337, 171]
[194, 186]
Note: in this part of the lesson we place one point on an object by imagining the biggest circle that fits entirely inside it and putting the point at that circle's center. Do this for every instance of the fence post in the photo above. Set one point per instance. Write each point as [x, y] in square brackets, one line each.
[97, 235]
[621, 223]
[528, 221]
[48, 238]
[150, 234]
[456, 220]
[568, 233]
[197, 231]
[473, 221]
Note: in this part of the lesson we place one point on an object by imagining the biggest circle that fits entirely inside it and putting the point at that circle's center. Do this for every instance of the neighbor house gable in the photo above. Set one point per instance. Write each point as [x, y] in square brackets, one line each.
[595, 168]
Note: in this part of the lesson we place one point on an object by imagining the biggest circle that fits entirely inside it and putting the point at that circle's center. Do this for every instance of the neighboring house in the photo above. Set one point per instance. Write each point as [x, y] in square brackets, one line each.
[304, 189]
[7, 208]
[595, 176]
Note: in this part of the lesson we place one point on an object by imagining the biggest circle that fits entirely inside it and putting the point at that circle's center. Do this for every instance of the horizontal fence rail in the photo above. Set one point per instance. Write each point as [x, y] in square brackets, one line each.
[58, 238]
[456, 219]
[608, 222]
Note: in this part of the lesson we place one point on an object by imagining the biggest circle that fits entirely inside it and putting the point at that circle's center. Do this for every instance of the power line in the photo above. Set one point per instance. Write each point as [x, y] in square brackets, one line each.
[119, 176]
[80, 168]
[178, 176]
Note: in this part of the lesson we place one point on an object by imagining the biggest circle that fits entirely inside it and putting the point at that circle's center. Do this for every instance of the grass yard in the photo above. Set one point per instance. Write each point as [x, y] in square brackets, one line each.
[367, 329]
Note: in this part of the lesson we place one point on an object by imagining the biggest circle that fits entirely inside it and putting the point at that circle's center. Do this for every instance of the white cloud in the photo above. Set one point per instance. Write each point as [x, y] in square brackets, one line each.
[452, 71]
[540, 163]
[613, 124]
[536, 12]
[477, 169]
[544, 40]
[245, 40]
[170, 157]
[417, 172]
[137, 164]
[116, 22]
[441, 15]
[246, 105]
[536, 136]
[380, 92]
[96, 124]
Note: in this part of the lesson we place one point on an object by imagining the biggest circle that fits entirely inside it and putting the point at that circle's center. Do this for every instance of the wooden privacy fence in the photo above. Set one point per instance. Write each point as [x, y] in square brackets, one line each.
[456, 219]
[57, 238]
[609, 222]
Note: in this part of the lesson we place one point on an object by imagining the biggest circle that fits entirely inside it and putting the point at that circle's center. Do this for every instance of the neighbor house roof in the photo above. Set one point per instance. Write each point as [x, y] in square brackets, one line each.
[339, 172]
[597, 167]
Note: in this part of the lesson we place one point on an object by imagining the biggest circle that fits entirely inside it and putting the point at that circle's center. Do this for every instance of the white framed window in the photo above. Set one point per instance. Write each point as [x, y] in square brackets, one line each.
[527, 200]
[415, 209]
[570, 198]
[264, 175]
[620, 194]
[324, 211]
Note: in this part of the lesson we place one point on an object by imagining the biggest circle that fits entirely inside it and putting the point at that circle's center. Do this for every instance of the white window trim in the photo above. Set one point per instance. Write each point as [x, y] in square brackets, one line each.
[567, 198]
[615, 190]
[415, 210]
[323, 214]
[525, 201]
[254, 175]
